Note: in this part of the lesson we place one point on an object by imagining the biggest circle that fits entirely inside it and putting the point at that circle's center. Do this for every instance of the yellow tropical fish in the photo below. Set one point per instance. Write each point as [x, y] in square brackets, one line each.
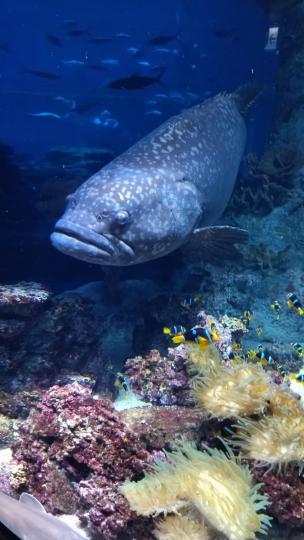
[197, 335]
[276, 307]
[294, 302]
[176, 330]
[190, 301]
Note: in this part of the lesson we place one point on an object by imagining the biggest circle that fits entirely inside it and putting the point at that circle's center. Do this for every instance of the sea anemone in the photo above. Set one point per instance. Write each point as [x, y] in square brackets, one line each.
[212, 482]
[180, 527]
[157, 493]
[203, 360]
[274, 441]
[282, 402]
[228, 392]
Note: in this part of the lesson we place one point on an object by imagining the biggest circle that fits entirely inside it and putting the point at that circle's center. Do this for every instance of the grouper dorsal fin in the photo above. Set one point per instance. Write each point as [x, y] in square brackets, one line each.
[246, 95]
[215, 244]
[31, 502]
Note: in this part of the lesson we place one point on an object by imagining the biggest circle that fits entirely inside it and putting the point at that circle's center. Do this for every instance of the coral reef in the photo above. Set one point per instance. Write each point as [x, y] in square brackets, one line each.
[263, 258]
[228, 329]
[48, 335]
[61, 337]
[10, 329]
[158, 426]
[158, 379]
[270, 179]
[83, 452]
[8, 431]
[23, 299]
[286, 493]
[221, 490]
[17, 404]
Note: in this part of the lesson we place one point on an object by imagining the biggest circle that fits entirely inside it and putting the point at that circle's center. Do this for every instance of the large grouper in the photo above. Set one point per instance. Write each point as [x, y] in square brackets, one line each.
[166, 191]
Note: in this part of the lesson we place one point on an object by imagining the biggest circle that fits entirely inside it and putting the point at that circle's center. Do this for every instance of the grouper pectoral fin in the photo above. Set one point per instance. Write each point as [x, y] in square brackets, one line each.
[215, 244]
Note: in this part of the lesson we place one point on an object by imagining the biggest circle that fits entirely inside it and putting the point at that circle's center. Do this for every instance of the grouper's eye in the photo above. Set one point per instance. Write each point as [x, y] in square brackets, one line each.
[122, 217]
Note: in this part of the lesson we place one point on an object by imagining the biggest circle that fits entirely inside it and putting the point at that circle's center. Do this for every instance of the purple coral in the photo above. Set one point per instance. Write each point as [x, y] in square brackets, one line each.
[64, 336]
[22, 299]
[159, 379]
[76, 453]
[286, 493]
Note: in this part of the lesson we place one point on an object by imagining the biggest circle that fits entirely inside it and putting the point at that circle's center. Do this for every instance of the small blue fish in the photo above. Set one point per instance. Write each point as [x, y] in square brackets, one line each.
[151, 102]
[133, 50]
[46, 114]
[144, 63]
[70, 102]
[154, 112]
[105, 122]
[110, 62]
[162, 50]
[73, 62]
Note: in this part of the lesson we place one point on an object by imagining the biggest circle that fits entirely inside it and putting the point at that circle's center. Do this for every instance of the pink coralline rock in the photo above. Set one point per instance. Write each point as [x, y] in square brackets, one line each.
[23, 299]
[18, 404]
[158, 427]
[227, 328]
[158, 379]
[286, 493]
[76, 452]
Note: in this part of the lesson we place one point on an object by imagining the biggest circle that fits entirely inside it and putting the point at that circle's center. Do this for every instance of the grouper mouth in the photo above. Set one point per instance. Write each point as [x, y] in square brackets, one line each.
[86, 244]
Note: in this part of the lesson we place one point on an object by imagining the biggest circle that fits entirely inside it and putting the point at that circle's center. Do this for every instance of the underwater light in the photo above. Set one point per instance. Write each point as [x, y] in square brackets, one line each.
[272, 39]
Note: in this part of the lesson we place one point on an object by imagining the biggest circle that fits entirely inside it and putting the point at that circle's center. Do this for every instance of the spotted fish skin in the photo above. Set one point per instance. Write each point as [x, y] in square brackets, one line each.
[149, 201]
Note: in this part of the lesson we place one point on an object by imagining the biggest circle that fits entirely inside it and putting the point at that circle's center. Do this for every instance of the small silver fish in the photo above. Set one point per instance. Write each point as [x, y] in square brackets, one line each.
[73, 62]
[133, 50]
[154, 112]
[162, 50]
[46, 114]
[105, 122]
[151, 102]
[70, 102]
[110, 62]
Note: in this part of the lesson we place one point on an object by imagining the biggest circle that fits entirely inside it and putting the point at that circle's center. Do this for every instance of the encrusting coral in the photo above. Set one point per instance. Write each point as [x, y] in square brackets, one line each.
[228, 392]
[213, 482]
[180, 527]
[75, 452]
[271, 179]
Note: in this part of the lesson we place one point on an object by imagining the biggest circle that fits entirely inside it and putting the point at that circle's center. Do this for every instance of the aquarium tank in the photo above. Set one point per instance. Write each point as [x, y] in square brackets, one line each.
[151, 270]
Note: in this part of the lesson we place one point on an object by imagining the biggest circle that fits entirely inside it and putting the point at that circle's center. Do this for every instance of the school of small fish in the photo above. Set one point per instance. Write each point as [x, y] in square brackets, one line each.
[202, 338]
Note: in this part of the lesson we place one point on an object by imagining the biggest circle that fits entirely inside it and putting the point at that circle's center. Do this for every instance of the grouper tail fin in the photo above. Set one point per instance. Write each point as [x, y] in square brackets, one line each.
[246, 95]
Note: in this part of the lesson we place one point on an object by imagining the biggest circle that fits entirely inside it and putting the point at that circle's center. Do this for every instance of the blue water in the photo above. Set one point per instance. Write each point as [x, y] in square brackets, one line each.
[220, 45]
[199, 62]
